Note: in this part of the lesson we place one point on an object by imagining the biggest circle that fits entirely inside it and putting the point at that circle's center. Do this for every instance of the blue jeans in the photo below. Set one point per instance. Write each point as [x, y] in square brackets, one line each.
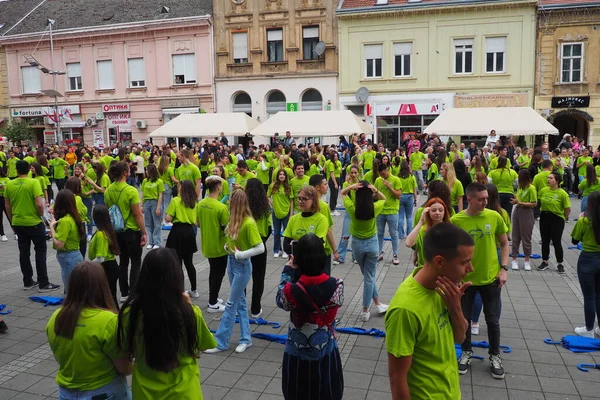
[152, 222]
[343, 245]
[89, 204]
[116, 390]
[392, 223]
[279, 225]
[419, 177]
[68, 260]
[98, 198]
[588, 272]
[167, 197]
[407, 204]
[583, 203]
[365, 252]
[239, 273]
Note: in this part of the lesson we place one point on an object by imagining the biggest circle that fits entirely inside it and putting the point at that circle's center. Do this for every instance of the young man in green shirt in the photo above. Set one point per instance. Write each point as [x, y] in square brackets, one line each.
[319, 182]
[416, 166]
[242, 176]
[425, 319]
[485, 227]
[297, 183]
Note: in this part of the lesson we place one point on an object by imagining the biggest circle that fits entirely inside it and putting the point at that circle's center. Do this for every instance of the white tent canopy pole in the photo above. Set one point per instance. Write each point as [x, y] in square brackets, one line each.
[201, 125]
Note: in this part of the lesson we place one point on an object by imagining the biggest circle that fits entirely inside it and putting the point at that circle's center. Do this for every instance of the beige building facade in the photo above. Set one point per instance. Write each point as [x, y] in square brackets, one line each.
[4, 98]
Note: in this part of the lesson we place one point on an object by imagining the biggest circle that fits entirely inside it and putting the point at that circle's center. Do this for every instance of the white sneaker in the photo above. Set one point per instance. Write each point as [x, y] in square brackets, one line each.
[169, 224]
[213, 351]
[215, 308]
[582, 331]
[242, 347]
[527, 266]
[474, 328]
[276, 255]
[16, 237]
[515, 265]
[597, 331]
[381, 308]
[193, 293]
[89, 238]
[284, 254]
[364, 316]
[335, 262]
[123, 299]
[255, 316]
[155, 247]
[4, 238]
[149, 247]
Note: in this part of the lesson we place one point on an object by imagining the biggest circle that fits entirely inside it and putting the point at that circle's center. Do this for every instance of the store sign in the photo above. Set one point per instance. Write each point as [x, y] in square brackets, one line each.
[382, 110]
[64, 111]
[49, 136]
[183, 103]
[116, 108]
[114, 120]
[570, 101]
[98, 135]
[491, 100]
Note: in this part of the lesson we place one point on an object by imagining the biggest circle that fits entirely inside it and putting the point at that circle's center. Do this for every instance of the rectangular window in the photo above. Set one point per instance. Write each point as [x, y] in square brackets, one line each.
[495, 53]
[310, 38]
[137, 73]
[32, 80]
[275, 45]
[463, 56]
[74, 75]
[572, 62]
[373, 60]
[240, 47]
[402, 59]
[105, 75]
[184, 68]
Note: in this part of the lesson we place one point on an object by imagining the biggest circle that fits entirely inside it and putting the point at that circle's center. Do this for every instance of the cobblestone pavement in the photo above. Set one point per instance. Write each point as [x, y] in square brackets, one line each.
[536, 305]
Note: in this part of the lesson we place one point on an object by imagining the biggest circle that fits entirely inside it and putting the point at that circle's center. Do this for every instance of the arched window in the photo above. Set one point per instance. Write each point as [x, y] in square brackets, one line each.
[312, 100]
[242, 103]
[275, 102]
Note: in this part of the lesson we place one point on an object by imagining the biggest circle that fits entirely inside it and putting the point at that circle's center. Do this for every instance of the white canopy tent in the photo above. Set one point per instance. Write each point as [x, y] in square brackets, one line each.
[313, 123]
[201, 125]
[506, 121]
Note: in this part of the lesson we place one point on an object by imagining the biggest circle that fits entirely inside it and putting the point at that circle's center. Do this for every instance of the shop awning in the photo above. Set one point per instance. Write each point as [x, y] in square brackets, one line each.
[187, 110]
[313, 123]
[74, 124]
[201, 125]
[506, 121]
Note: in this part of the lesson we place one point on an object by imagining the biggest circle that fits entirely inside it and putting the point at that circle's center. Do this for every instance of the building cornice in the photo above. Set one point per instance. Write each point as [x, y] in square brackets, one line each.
[550, 7]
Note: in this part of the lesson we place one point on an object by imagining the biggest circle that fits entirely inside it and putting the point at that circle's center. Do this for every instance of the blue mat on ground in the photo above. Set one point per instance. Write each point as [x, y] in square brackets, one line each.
[261, 321]
[361, 331]
[459, 352]
[485, 345]
[578, 247]
[577, 344]
[47, 300]
[3, 310]
[281, 339]
[533, 256]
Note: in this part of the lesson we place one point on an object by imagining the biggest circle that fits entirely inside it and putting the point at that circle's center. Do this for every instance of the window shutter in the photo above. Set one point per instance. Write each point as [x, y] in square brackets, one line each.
[310, 32]
[240, 45]
[190, 68]
[463, 42]
[73, 70]
[373, 51]
[274, 34]
[32, 80]
[105, 75]
[495, 45]
[179, 64]
[136, 69]
[402, 48]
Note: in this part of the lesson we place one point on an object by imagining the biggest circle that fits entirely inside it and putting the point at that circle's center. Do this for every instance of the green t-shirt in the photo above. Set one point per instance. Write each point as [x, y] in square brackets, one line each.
[362, 229]
[540, 181]
[180, 213]
[188, 173]
[81, 208]
[368, 157]
[151, 190]
[554, 201]
[524, 158]
[527, 195]
[326, 212]
[11, 164]
[588, 189]
[416, 160]
[126, 196]
[59, 165]
[584, 232]
[313, 170]
[212, 217]
[419, 212]
[181, 383]
[503, 178]
[248, 236]
[297, 184]
[3, 183]
[494, 163]
[582, 170]
[263, 224]
[484, 229]
[335, 167]
[419, 248]
[433, 173]
[68, 233]
[242, 180]
[99, 247]
[281, 201]
[408, 185]
[261, 174]
[166, 177]
[21, 194]
[456, 192]
[392, 203]
[417, 324]
[85, 361]
[369, 177]
[299, 226]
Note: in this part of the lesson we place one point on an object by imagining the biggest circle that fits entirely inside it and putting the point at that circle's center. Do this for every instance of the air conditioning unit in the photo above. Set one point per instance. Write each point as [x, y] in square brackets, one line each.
[141, 124]
[91, 121]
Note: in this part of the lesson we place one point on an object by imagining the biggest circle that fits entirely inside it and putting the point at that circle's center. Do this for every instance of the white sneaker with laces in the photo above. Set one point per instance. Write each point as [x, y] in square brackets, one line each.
[474, 328]
[4, 238]
[242, 347]
[515, 265]
[193, 293]
[276, 255]
[527, 266]
[16, 237]
[284, 254]
[255, 316]
[381, 308]
[334, 262]
[582, 331]
[365, 316]
[149, 247]
[213, 351]
[155, 247]
[215, 308]
[89, 238]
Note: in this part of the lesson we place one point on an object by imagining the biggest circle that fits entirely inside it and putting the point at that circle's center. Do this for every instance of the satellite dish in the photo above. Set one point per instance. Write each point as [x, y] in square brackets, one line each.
[362, 95]
[320, 48]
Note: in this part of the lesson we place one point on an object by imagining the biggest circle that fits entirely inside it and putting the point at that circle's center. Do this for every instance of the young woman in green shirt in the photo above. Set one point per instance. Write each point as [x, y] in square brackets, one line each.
[476, 166]
[281, 196]
[434, 212]
[504, 177]
[152, 192]
[74, 185]
[523, 220]
[456, 188]
[589, 185]
[103, 247]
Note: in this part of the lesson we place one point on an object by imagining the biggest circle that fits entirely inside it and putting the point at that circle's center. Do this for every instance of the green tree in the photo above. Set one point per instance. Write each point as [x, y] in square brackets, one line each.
[18, 131]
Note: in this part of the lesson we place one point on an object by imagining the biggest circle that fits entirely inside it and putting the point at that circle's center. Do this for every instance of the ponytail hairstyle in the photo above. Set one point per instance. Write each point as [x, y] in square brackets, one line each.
[363, 201]
[117, 171]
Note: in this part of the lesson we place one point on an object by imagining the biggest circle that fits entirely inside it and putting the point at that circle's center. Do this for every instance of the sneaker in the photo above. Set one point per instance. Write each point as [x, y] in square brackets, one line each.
[284, 254]
[193, 293]
[275, 255]
[365, 316]
[155, 247]
[149, 247]
[335, 262]
[4, 238]
[123, 299]
[30, 285]
[597, 331]
[496, 367]
[464, 362]
[215, 308]
[474, 328]
[16, 237]
[543, 266]
[256, 316]
[381, 308]
[515, 265]
[213, 351]
[380, 258]
[50, 287]
[88, 238]
[582, 331]
[561, 269]
[3, 327]
[242, 347]
[527, 266]
[395, 261]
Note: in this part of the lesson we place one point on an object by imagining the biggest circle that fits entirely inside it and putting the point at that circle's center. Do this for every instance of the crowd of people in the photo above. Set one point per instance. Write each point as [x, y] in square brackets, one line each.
[99, 206]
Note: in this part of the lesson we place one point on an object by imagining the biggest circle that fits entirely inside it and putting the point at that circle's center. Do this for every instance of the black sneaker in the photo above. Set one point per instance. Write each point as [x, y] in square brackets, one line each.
[464, 362]
[30, 286]
[496, 367]
[543, 266]
[561, 269]
[50, 287]
[3, 327]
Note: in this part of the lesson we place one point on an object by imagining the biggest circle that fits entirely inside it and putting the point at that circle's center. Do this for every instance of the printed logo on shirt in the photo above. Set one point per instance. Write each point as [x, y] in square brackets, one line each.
[488, 229]
[443, 319]
[311, 228]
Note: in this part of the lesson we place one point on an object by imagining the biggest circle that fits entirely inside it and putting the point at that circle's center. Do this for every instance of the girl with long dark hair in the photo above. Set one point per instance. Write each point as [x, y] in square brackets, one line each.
[74, 185]
[589, 185]
[152, 191]
[99, 180]
[66, 230]
[351, 178]
[204, 165]
[523, 220]
[167, 174]
[87, 191]
[82, 335]
[103, 247]
[372, 175]
[460, 169]
[281, 195]
[163, 331]
[333, 169]
[261, 212]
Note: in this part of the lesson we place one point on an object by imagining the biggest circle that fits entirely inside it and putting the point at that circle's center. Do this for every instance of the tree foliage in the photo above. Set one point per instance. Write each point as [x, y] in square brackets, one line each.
[18, 131]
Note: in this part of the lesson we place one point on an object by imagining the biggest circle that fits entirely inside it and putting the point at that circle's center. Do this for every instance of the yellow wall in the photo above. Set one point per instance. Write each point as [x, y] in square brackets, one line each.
[4, 99]
[432, 32]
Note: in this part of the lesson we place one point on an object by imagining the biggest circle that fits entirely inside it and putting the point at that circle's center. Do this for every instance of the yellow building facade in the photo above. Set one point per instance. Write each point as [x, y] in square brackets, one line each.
[568, 69]
[402, 64]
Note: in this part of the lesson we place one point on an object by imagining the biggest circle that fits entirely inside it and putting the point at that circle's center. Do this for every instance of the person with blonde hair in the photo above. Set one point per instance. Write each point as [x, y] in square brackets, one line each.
[456, 188]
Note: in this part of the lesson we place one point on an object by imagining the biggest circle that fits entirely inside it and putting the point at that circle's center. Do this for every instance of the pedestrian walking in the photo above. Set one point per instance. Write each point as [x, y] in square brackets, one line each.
[281, 195]
[523, 219]
[103, 247]
[152, 195]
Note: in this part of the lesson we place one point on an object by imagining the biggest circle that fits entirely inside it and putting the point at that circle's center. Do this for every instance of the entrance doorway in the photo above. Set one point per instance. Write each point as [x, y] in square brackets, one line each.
[574, 122]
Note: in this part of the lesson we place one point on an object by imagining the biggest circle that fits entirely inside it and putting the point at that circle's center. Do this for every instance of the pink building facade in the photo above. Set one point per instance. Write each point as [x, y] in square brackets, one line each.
[120, 81]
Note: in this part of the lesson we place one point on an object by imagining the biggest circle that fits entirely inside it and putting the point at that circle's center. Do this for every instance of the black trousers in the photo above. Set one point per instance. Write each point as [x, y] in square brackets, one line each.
[551, 229]
[259, 267]
[60, 183]
[111, 270]
[3, 211]
[37, 235]
[505, 202]
[218, 267]
[203, 176]
[333, 193]
[188, 261]
[129, 244]
[490, 297]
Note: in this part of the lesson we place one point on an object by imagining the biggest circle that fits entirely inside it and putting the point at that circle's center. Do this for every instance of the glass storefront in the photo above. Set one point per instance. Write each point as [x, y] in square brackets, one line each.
[393, 130]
